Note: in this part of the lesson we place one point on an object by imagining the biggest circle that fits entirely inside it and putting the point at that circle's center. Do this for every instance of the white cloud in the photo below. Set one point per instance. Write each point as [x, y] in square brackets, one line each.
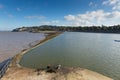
[1, 6]
[91, 3]
[53, 22]
[116, 7]
[110, 2]
[97, 17]
[10, 16]
[35, 17]
[115, 14]
[18, 9]
[114, 3]
[45, 23]
[69, 17]
[93, 18]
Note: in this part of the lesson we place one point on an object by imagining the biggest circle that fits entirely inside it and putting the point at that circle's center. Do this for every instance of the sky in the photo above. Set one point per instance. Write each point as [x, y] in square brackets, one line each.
[18, 13]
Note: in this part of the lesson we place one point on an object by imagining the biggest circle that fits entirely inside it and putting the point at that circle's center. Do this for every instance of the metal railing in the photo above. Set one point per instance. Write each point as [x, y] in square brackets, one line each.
[5, 67]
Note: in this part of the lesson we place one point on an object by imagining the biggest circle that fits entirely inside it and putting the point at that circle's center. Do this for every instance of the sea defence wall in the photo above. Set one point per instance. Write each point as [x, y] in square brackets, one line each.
[63, 73]
[4, 66]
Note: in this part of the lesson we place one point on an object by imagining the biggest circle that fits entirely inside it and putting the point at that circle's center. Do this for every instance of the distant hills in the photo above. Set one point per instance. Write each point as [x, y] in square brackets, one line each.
[97, 29]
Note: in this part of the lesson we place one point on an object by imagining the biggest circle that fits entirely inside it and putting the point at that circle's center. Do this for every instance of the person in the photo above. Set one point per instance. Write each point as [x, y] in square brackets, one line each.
[51, 69]
[58, 67]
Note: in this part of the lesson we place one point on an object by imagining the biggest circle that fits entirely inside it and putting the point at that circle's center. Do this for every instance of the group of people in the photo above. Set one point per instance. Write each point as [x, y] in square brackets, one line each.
[51, 69]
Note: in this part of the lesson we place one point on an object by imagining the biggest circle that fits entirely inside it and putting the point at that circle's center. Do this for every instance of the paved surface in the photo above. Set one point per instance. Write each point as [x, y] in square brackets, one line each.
[3, 63]
[3, 66]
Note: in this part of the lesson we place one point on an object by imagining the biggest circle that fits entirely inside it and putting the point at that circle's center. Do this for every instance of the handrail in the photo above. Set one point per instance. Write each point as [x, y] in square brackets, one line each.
[5, 67]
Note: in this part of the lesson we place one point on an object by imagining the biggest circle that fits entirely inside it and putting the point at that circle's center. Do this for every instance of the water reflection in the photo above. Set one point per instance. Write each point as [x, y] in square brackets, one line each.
[95, 51]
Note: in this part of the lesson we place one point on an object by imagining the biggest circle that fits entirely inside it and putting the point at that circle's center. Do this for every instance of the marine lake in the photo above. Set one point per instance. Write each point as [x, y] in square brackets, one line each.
[95, 51]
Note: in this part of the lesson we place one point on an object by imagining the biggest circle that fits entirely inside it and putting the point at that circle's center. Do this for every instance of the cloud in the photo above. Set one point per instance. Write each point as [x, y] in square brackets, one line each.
[97, 17]
[114, 3]
[93, 18]
[110, 2]
[92, 4]
[69, 17]
[10, 16]
[116, 7]
[53, 22]
[18, 9]
[35, 17]
[1, 6]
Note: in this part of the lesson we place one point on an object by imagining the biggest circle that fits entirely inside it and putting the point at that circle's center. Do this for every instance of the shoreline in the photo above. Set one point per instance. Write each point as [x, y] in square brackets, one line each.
[14, 42]
[18, 72]
[16, 59]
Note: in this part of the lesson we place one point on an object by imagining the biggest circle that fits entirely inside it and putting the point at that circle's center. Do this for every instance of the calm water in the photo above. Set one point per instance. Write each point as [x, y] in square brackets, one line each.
[11, 43]
[94, 51]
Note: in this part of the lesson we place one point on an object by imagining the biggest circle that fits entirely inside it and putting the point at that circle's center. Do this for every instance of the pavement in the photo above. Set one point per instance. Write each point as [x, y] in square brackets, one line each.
[3, 63]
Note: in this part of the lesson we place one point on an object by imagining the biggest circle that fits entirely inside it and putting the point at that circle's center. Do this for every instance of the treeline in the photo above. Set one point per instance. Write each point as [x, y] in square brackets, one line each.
[100, 29]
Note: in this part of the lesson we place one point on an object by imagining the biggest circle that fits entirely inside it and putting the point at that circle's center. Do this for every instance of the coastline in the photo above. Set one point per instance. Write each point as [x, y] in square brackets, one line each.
[17, 58]
[17, 72]
[14, 42]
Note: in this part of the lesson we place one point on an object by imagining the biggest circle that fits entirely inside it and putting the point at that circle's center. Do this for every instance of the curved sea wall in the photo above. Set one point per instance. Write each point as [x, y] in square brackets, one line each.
[17, 72]
[13, 42]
